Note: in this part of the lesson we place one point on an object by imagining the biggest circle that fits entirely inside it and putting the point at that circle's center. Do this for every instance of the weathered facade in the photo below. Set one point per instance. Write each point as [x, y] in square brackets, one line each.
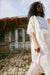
[18, 39]
[4, 42]
[13, 36]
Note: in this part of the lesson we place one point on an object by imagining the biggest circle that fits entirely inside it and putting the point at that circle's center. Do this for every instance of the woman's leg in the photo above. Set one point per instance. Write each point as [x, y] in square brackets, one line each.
[34, 69]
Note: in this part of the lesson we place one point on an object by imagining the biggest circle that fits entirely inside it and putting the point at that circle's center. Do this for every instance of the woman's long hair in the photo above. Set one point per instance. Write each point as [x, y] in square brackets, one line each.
[33, 9]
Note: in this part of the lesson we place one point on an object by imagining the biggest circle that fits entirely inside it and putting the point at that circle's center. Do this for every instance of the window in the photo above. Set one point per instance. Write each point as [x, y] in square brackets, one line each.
[20, 35]
[27, 38]
[2, 36]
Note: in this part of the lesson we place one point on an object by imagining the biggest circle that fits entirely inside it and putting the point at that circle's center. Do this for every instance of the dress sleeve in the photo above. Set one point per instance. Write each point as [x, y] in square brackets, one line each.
[31, 26]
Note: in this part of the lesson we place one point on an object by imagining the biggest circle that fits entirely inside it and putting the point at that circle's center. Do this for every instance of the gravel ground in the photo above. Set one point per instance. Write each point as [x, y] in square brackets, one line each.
[15, 64]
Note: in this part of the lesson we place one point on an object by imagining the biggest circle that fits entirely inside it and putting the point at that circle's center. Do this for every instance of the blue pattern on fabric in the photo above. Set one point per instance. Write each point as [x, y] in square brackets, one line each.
[42, 23]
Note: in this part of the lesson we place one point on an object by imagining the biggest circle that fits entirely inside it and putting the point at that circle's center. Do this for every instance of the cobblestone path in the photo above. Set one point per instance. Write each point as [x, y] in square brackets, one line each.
[15, 64]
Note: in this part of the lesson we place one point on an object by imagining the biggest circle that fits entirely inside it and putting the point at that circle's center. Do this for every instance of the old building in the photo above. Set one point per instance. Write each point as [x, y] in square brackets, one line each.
[13, 35]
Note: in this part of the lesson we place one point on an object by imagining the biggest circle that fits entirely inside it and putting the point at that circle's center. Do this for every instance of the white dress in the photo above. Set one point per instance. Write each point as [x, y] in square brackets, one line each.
[40, 61]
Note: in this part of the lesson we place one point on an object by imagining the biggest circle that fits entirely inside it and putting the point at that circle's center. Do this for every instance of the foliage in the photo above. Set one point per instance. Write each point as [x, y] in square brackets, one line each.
[11, 23]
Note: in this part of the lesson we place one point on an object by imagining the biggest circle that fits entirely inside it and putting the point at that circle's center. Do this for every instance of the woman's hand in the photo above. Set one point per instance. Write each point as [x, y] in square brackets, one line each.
[37, 48]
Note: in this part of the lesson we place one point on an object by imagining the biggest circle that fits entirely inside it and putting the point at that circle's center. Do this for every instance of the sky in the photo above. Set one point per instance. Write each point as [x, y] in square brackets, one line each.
[12, 8]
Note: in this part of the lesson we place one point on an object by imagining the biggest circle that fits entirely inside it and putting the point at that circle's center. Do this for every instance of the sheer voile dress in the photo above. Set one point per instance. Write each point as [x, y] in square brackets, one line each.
[40, 61]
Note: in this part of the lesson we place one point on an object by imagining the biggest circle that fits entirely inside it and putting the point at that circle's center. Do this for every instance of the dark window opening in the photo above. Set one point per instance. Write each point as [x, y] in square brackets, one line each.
[2, 36]
[27, 38]
[20, 35]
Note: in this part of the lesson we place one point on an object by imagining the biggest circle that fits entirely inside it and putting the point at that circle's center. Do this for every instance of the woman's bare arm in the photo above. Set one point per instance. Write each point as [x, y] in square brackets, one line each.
[36, 45]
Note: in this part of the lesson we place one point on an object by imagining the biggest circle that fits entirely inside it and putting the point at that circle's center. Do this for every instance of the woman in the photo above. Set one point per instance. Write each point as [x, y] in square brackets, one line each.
[38, 29]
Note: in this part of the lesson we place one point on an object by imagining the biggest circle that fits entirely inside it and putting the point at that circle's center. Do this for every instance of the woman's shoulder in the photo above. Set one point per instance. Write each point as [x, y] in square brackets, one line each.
[32, 17]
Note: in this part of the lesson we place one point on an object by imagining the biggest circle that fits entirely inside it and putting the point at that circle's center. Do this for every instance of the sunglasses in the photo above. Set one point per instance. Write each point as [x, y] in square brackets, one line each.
[39, 6]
